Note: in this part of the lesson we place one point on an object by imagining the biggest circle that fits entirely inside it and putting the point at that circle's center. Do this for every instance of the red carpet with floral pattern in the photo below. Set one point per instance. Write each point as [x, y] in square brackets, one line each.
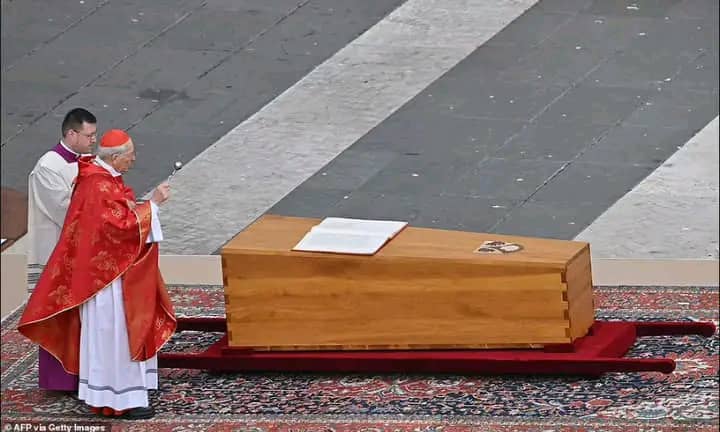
[686, 400]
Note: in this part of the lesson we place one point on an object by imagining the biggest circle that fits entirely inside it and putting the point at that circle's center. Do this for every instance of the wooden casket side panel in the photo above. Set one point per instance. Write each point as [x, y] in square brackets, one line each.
[578, 278]
[315, 301]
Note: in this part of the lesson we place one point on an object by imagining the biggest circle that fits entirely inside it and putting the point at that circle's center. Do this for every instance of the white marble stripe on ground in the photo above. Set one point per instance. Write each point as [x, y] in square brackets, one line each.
[672, 214]
[264, 158]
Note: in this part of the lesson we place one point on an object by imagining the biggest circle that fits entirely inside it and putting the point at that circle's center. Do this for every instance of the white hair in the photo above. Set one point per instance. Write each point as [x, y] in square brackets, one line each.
[106, 153]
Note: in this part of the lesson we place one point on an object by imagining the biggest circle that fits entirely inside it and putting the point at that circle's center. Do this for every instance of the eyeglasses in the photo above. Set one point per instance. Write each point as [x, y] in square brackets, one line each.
[91, 135]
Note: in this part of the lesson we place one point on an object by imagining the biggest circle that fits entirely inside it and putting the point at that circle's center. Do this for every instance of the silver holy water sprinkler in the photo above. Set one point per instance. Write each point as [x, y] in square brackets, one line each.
[176, 167]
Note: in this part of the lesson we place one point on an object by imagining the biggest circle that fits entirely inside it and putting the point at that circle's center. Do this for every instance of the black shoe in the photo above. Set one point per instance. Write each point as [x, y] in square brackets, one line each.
[140, 413]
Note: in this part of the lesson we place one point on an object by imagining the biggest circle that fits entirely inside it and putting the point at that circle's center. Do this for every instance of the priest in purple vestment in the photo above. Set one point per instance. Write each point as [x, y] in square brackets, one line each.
[50, 186]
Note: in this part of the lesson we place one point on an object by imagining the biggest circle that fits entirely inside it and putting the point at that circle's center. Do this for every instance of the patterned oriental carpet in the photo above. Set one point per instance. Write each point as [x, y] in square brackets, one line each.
[191, 400]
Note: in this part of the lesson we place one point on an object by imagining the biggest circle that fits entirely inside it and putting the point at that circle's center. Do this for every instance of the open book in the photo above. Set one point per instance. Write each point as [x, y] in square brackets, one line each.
[349, 236]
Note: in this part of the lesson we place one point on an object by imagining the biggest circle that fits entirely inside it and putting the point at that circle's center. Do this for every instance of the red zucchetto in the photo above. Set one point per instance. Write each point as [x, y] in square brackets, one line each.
[114, 138]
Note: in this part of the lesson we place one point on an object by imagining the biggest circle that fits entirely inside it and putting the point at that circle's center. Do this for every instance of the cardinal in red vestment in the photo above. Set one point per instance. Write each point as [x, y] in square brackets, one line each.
[100, 306]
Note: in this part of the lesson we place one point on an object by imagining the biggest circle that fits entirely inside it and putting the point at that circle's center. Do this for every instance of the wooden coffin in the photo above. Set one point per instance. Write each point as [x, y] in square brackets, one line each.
[425, 289]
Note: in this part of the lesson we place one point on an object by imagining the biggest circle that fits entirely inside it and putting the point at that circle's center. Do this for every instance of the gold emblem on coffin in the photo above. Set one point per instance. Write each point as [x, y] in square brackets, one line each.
[498, 247]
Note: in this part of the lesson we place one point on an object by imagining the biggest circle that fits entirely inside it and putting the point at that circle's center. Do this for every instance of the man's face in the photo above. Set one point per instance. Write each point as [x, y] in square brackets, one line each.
[123, 162]
[83, 140]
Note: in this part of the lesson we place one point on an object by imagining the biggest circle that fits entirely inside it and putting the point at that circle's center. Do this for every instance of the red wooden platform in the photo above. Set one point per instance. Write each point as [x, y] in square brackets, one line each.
[601, 351]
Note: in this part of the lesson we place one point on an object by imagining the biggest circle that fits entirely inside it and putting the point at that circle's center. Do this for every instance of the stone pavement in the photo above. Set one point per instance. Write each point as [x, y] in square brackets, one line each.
[179, 74]
[514, 117]
[293, 137]
[671, 214]
[537, 132]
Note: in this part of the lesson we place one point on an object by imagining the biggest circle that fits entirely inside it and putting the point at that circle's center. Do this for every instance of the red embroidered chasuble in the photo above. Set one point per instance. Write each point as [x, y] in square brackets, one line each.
[103, 238]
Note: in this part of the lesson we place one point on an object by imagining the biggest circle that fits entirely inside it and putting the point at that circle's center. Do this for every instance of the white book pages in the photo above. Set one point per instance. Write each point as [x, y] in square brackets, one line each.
[364, 226]
[357, 244]
[349, 236]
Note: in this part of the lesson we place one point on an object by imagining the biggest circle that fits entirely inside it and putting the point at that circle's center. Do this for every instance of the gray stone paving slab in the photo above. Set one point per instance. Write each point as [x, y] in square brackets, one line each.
[204, 113]
[695, 9]
[641, 64]
[636, 69]
[689, 109]
[446, 134]
[423, 209]
[372, 205]
[14, 48]
[501, 179]
[24, 153]
[589, 182]
[594, 105]
[22, 103]
[599, 34]
[65, 66]
[579, 44]
[500, 100]
[565, 6]
[351, 170]
[409, 173]
[645, 8]
[160, 68]
[252, 6]
[115, 30]
[683, 35]
[31, 23]
[322, 27]
[130, 24]
[702, 75]
[254, 72]
[683, 95]
[217, 29]
[559, 143]
[489, 65]
[552, 64]
[548, 219]
[518, 33]
[308, 202]
[115, 107]
[478, 214]
[332, 184]
[632, 145]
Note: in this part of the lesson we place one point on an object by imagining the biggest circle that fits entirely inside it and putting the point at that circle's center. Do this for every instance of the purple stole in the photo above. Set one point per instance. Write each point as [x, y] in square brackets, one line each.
[66, 154]
[51, 375]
